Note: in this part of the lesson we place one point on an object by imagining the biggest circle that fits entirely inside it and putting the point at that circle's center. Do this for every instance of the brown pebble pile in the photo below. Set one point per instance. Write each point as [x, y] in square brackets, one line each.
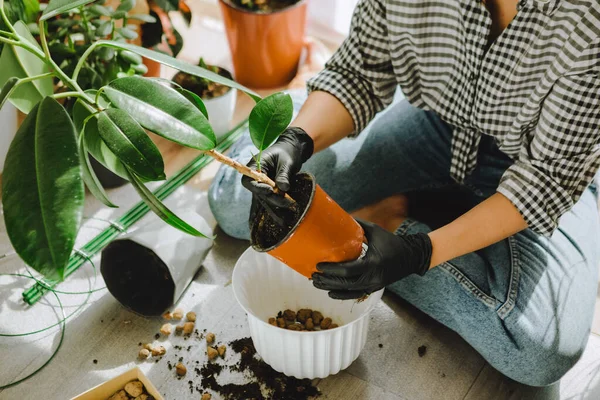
[303, 320]
[133, 390]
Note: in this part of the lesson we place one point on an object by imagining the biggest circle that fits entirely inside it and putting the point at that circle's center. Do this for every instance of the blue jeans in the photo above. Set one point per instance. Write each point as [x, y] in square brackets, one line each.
[525, 303]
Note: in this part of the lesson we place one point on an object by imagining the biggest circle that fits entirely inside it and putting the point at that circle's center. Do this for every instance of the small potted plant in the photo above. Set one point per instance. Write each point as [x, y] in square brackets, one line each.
[266, 38]
[160, 34]
[69, 36]
[219, 99]
[47, 163]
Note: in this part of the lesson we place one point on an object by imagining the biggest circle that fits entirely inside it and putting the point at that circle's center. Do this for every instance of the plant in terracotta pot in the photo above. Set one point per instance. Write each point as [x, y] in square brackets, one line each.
[218, 99]
[47, 163]
[266, 38]
[160, 34]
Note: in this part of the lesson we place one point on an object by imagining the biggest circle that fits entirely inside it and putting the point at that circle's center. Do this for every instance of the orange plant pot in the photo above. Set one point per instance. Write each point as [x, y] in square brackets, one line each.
[154, 68]
[324, 233]
[265, 48]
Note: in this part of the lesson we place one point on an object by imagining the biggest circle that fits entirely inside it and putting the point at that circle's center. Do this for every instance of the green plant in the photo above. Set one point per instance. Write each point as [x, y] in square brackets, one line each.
[71, 34]
[47, 163]
[162, 31]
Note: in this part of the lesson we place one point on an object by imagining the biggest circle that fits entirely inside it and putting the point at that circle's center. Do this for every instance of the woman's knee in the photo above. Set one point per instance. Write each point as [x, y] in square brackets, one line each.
[540, 364]
[230, 203]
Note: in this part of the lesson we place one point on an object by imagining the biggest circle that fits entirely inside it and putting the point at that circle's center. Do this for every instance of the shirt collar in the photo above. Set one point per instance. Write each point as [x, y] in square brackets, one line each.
[545, 6]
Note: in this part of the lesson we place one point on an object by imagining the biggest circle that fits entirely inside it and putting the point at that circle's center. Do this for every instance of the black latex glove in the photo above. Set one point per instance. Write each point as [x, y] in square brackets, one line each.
[389, 258]
[280, 162]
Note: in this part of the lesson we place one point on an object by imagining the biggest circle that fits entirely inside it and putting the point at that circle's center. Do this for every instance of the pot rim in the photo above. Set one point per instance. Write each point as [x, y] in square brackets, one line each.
[246, 11]
[300, 220]
[229, 88]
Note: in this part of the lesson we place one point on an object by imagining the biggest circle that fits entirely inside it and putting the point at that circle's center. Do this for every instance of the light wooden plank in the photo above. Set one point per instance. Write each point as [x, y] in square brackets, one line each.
[583, 381]
[492, 385]
[447, 369]
[344, 386]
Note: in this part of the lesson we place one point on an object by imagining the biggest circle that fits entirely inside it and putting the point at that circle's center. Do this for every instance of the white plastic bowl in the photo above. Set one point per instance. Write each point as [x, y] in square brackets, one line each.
[264, 286]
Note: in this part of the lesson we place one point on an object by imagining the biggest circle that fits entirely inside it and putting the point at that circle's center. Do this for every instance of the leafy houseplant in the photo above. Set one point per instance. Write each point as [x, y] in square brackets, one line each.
[266, 38]
[70, 35]
[47, 163]
[218, 99]
[161, 30]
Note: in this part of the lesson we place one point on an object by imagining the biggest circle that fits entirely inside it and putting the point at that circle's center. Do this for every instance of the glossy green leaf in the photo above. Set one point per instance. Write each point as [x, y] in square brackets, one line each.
[129, 57]
[194, 99]
[89, 176]
[180, 65]
[42, 189]
[20, 63]
[56, 7]
[162, 110]
[130, 143]
[126, 5]
[119, 14]
[104, 29]
[269, 118]
[160, 209]
[94, 143]
[106, 53]
[97, 9]
[128, 33]
[143, 17]
[7, 89]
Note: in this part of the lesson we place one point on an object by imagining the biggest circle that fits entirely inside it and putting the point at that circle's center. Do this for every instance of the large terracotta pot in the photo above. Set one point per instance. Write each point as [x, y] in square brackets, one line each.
[324, 233]
[265, 48]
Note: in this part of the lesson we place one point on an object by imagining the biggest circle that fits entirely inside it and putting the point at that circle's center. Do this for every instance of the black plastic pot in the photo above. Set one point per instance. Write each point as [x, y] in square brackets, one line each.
[107, 178]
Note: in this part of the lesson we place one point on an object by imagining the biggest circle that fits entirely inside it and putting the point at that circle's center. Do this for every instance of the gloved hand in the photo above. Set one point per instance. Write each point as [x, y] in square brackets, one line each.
[280, 162]
[389, 258]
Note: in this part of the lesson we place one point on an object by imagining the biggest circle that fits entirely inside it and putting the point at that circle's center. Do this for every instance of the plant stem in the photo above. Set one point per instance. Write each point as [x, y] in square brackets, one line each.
[72, 83]
[10, 41]
[33, 78]
[244, 170]
[67, 94]
[7, 21]
[7, 34]
[82, 59]
[86, 25]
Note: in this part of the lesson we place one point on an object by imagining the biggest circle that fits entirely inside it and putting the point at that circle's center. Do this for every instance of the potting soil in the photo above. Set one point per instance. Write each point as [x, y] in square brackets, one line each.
[264, 379]
[269, 232]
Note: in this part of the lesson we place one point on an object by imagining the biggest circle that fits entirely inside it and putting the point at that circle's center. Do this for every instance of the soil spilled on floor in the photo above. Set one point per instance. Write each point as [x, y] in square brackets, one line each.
[265, 383]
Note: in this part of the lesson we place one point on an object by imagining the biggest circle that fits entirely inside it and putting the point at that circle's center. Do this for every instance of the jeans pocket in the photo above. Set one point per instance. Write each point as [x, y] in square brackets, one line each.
[491, 275]
[467, 284]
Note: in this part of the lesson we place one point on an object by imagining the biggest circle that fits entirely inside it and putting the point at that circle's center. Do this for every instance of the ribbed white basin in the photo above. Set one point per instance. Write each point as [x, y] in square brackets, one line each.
[264, 286]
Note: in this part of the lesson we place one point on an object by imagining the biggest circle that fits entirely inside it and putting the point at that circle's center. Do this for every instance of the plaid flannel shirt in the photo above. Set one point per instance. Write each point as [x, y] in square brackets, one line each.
[535, 89]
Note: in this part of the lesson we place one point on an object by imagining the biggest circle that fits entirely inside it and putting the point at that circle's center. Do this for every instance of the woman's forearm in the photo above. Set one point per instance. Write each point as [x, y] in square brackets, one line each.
[491, 221]
[325, 119]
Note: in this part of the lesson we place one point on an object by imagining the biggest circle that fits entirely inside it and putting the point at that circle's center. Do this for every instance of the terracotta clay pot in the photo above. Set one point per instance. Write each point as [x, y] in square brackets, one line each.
[153, 68]
[325, 232]
[265, 48]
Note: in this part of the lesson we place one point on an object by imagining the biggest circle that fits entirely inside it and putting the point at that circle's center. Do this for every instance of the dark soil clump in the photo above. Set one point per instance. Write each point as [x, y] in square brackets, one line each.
[265, 231]
[203, 87]
[265, 379]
